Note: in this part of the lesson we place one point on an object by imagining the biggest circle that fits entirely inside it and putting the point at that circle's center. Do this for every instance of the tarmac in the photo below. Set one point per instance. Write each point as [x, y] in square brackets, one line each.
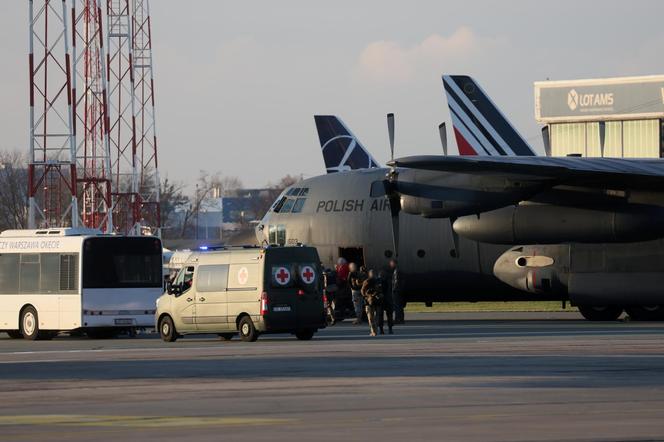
[453, 377]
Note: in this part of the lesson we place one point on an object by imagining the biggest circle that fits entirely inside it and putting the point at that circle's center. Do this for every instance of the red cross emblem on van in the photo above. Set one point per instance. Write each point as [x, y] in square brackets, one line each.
[282, 275]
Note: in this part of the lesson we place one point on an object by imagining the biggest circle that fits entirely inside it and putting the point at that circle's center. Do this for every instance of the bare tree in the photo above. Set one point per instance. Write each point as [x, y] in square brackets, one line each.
[205, 185]
[171, 197]
[262, 205]
[13, 191]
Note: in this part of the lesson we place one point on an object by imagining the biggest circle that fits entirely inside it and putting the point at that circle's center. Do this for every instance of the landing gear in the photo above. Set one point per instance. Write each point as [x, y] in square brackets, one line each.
[646, 312]
[600, 312]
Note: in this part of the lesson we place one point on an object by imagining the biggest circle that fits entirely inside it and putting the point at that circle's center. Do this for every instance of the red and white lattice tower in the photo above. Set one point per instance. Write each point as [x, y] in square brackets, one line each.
[146, 137]
[52, 168]
[121, 111]
[90, 117]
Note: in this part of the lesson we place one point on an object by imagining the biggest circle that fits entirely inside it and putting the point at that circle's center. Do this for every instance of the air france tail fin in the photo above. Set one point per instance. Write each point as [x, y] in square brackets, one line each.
[479, 126]
[342, 150]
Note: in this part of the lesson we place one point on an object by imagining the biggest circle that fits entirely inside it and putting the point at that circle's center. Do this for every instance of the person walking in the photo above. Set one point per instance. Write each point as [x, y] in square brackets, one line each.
[372, 293]
[386, 307]
[355, 279]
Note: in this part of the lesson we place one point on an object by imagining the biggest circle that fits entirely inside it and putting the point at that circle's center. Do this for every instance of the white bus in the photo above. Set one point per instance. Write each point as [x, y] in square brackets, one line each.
[67, 279]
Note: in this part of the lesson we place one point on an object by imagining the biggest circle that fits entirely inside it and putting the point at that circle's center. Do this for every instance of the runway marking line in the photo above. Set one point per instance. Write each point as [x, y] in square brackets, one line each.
[83, 420]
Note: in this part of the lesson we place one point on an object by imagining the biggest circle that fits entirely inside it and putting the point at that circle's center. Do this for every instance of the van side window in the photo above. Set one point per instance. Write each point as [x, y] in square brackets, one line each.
[212, 278]
[184, 278]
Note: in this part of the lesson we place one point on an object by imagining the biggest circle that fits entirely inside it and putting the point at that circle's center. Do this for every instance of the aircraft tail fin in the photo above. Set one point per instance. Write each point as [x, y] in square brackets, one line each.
[480, 128]
[341, 149]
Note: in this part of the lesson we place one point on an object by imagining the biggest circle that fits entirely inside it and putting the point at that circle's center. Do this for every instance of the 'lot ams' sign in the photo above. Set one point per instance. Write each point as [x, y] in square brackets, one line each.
[602, 99]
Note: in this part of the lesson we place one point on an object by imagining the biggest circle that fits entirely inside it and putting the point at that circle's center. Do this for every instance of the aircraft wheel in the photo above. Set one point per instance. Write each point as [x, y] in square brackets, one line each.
[646, 312]
[600, 312]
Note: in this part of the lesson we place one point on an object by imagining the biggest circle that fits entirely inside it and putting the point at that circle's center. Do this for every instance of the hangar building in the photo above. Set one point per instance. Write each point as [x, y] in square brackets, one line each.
[625, 113]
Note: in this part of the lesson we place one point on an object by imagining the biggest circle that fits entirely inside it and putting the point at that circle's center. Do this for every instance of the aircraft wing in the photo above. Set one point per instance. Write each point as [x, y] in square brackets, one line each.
[613, 173]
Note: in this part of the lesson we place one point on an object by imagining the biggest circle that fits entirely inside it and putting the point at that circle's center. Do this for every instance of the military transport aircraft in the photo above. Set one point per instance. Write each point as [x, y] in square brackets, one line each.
[461, 225]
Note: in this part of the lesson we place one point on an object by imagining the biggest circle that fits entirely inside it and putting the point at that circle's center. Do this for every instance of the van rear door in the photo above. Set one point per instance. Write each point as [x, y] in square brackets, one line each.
[292, 280]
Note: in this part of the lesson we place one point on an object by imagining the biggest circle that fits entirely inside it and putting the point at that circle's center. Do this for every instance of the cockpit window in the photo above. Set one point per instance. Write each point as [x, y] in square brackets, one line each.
[290, 201]
[299, 203]
[277, 206]
[288, 205]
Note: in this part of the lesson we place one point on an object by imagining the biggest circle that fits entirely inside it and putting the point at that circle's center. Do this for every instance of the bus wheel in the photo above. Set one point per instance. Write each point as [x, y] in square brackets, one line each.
[600, 312]
[30, 323]
[167, 329]
[646, 312]
[248, 332]
[226, 336]
[304, 335]
[14, 334]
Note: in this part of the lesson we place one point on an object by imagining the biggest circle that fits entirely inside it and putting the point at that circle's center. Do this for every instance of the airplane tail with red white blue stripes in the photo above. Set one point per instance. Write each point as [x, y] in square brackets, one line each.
[479, 126]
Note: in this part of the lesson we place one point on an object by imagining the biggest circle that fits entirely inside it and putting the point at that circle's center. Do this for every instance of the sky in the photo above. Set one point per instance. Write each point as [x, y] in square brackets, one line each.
[237, 83]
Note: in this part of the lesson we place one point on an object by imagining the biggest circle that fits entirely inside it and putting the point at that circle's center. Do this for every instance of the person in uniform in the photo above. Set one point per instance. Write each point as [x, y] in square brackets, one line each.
[396, 285]
[343, 298]
[355, 279]
[372, 292]
[330, 291]
[386, 307]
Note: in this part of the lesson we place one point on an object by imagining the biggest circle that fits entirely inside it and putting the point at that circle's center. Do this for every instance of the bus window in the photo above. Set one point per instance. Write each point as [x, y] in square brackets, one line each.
[29, 273]
[121, 262]
[9, 264]
[69, 273]
[50, 273]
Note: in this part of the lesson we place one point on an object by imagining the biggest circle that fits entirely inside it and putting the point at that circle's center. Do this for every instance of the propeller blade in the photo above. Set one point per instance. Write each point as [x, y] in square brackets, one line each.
[547, 141]
[442, 130]
[395, 208]
[390, 131]
[455, 239]
[602, 136]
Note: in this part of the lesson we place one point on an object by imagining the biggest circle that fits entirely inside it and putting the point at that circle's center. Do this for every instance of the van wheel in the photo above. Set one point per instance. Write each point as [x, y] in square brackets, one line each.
[167, 329]
[226, 336]
[30, 324]
[14, 334]
[304, 335]
[248, 332]
[600, 312]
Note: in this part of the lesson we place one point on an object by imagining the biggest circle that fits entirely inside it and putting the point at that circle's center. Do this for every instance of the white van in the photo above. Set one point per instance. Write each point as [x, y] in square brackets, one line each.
[245, 291]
